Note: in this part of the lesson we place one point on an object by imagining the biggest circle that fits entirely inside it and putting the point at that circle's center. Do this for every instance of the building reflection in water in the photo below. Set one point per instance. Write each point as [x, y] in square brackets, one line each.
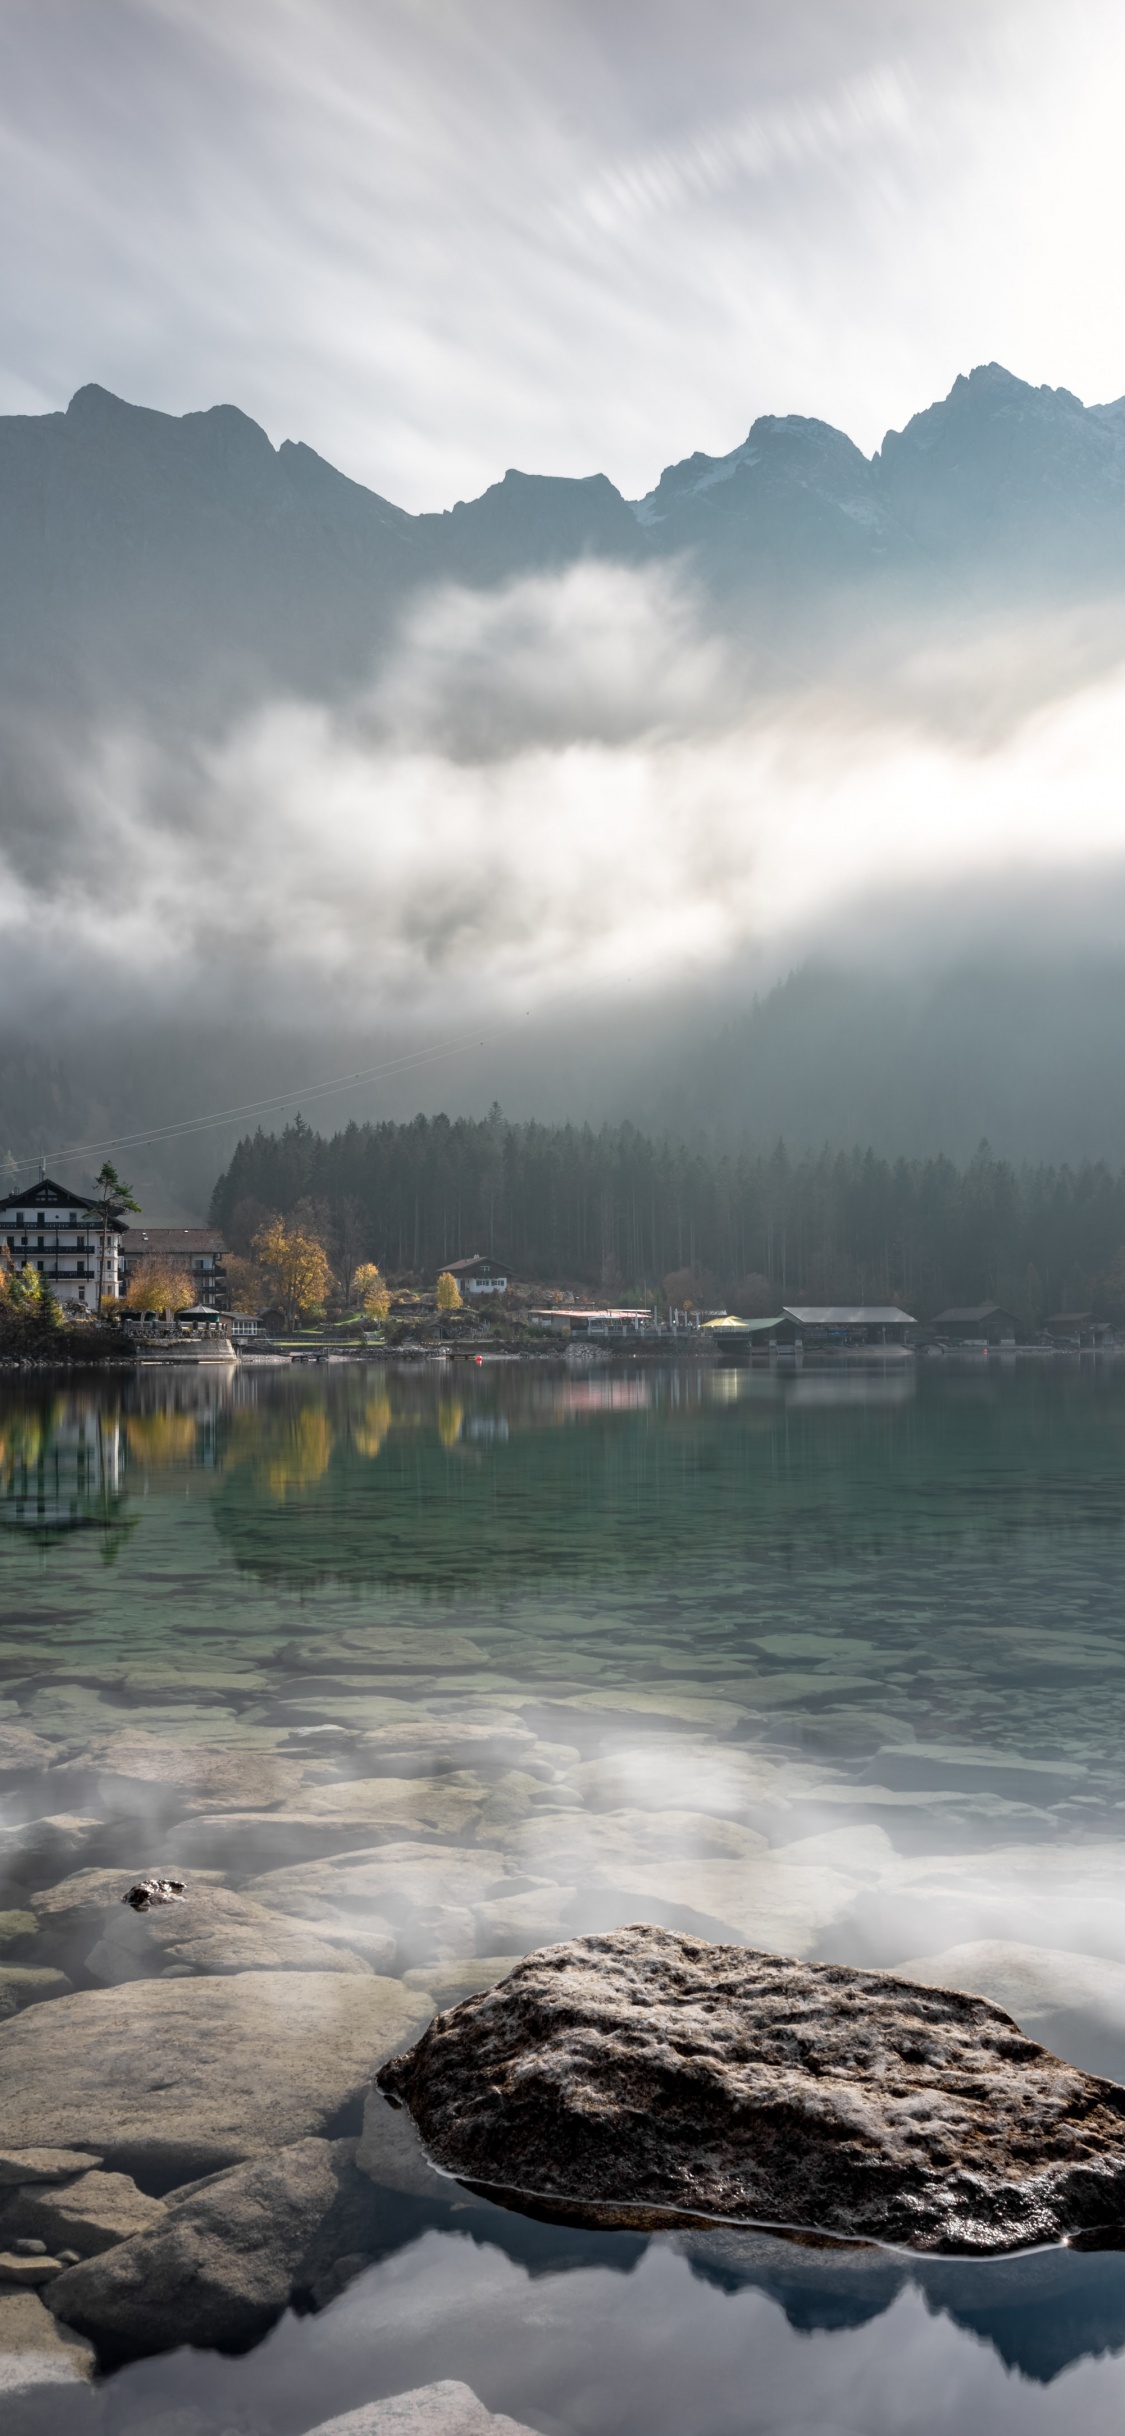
[61, 1465]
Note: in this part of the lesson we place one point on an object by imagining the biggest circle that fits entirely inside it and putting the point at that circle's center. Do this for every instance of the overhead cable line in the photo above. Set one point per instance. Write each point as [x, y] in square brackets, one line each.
[150, 1134]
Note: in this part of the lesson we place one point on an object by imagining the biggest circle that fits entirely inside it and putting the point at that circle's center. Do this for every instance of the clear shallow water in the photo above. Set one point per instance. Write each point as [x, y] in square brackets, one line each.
[831, 1663]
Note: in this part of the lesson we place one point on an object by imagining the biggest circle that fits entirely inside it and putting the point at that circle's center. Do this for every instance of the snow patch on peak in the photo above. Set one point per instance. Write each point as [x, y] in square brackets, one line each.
[693, 475]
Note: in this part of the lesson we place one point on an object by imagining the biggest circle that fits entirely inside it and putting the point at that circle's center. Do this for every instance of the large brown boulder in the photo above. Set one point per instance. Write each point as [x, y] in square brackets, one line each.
[643, 2071]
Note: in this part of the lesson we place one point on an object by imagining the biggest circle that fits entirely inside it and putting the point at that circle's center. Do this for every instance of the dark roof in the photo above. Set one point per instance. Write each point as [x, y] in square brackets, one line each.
[473, 1260]
[149, 1239]
[973, 1311]
[849, 1315]
[1070, 1319]
[44, 1194]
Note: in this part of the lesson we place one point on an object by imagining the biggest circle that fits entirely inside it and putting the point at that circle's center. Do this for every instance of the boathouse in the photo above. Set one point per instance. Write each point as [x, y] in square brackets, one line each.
[977, 1324]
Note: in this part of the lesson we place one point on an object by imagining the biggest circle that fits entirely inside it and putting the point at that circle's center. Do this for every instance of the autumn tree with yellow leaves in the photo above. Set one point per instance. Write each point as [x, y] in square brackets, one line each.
[295, 1266]
[448, 1295]
[369, 1291]
[246, 1286]
[159, 1285]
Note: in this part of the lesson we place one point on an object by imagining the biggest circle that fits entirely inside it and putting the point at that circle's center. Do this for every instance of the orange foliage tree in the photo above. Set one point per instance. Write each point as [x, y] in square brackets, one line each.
[295, 1266]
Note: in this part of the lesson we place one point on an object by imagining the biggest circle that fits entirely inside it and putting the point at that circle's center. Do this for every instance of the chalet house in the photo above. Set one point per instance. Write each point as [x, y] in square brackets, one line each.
[58, 1233]
[977, 1324]
[478, 1275]
[197, 1250]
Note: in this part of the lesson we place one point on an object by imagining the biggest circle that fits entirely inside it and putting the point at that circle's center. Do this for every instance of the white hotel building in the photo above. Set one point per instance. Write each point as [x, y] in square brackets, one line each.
[57, 1232]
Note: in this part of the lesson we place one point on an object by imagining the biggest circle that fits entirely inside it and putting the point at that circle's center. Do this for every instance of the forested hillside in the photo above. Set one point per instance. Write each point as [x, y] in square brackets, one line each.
[620, 1210]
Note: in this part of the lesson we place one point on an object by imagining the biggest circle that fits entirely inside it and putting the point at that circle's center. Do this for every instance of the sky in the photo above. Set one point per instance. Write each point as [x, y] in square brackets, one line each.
[570, 235]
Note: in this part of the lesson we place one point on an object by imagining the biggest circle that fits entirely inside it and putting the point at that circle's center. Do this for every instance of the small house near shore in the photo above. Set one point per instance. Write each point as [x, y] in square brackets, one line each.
[1078, 1328]
[563, 1319]
[477, 1274]
[977, 1324]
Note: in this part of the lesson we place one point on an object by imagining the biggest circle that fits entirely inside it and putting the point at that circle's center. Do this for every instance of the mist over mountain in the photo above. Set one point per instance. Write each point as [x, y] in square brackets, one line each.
[154, 559]
[782, 800]
[164, 561]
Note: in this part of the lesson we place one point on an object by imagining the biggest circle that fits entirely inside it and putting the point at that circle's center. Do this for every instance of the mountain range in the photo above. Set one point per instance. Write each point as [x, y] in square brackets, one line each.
[186, 562]
[163, 576]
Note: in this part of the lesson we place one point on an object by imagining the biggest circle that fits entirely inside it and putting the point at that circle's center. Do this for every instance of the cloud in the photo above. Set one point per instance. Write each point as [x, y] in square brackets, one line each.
[433, 243]
[561, 794]
[598, 654]
[756, 145]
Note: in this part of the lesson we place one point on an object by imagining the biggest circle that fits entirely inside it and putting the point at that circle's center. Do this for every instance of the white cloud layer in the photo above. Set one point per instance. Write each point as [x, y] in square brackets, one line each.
[560, 791]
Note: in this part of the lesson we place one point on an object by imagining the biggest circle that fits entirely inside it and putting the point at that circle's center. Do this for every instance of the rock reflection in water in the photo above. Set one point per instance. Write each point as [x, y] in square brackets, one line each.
[615, 2335]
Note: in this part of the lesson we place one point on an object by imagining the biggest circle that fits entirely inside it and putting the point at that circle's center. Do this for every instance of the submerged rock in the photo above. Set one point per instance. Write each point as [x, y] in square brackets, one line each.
[38, 1845]
[1040, 1981]
[445, 2409]
[86, 2215]
[23, 2266]
[77, 1909]
[16, 1929]
[222, 2262]
[391, 2154]
[25, 1986]
[168, 2078]
[445, 1983]
[334, 1818]
[219, 1933]
[421, 1894]
[19, 2165]
[35, 2350]
[643, 2071]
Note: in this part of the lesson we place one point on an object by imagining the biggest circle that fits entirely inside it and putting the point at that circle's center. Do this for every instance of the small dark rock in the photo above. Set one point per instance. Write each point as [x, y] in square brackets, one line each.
[69, 2258]
[621, 2075]
[30, 2249]
[150, 1891]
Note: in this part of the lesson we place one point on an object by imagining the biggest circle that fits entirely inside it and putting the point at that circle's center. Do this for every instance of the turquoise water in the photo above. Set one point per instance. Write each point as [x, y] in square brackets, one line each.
[831, 1662]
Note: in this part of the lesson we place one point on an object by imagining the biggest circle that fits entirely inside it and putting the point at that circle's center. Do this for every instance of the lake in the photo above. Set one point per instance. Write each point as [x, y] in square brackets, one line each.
[829, 1661]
